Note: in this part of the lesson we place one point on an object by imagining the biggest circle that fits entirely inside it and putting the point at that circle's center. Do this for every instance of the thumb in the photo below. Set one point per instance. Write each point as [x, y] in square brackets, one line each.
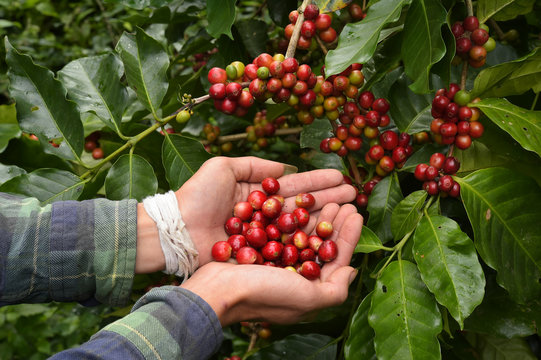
[335, 288]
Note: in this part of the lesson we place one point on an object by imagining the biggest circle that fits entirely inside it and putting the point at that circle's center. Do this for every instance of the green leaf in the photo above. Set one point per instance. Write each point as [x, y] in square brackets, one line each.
[130, 177]
[488, 8]
[404, 315]
[493, 348]
[46, 185]
[360, 342]
[510, 78]
[9, 172]
[145, 62]
[331, 5]
[523, 125]
[498, 315]
[423, 44]
[42, 108]
[410, 112]
[479, 156]
[221, 16]
[311, 135]
[449, 267]
[182, 157]
[8, 132]
[298, 346]
[357, 41]
[504, 209]
[407, 214]
[516, 8]
[279, 11]
[384, 60]
[94, 84]
[385, 196]
[368, 242]
[254, 36]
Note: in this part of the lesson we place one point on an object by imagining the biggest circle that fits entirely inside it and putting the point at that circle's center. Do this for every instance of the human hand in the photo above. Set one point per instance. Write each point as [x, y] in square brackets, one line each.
[207, 199]
[265, 293]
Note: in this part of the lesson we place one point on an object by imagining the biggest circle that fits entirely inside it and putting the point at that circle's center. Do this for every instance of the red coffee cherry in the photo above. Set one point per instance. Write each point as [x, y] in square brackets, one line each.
[328, 251]
[305, 200]
[290, 255]
[256, 237]
[272, 250]
[451, 165]
[256, 199]
[324, 229]
[233, 226]
[247, 255]
[97, 153]
[437, 160]
[310, 270]
[388, 140]
[445, 183]
[270, 185]
[470, 23]
[302, 215]
[221, 251]
[311, 12]
[243, 210]
[236, 241]
[420, 172]
[287, 223]
[271, 208]
[431, 187]
[217, 75]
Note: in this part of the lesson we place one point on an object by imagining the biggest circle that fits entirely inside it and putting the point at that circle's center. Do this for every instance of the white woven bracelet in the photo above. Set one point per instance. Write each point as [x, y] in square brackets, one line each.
[181, 257]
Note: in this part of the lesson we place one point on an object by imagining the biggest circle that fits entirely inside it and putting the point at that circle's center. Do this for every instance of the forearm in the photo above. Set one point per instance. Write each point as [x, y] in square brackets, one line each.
[167, 323]
[67, 251]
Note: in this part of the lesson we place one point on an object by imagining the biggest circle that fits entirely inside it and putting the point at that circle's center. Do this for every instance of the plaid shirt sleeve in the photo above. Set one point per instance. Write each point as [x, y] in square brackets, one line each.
[81, 251]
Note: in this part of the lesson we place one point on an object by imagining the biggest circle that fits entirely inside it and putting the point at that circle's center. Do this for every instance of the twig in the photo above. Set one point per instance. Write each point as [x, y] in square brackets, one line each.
[355, 170]
[322, 45]
[469, 5]
[464, 75]
[237, 137]
[497, 29]
[297, 30]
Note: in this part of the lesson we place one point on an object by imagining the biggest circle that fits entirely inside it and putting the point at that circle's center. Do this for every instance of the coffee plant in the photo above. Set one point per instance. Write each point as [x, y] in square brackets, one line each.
[429, 108]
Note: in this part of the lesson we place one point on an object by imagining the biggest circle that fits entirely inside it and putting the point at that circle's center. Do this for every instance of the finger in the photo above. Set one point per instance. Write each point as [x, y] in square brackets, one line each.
[253, 169]
[339, 194]
[334, 290]
[347, 239]
[309, 181]
[327, 213]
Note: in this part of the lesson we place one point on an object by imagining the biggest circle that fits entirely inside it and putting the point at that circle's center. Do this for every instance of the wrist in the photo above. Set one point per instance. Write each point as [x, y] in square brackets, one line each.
[149, 257]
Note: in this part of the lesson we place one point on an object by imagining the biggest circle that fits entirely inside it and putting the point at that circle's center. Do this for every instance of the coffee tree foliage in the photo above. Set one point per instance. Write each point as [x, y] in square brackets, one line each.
[439, 277]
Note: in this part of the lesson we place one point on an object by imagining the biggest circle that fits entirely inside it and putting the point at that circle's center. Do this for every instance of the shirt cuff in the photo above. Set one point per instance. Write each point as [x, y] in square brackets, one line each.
[171, 323]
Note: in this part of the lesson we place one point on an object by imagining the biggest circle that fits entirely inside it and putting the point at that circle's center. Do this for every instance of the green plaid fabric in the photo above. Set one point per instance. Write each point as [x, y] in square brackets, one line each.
[66, 251]
[85, 251]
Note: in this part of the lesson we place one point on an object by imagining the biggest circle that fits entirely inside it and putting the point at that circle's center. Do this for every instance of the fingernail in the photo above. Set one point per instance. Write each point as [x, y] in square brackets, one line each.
[352, 276]
[290, 169]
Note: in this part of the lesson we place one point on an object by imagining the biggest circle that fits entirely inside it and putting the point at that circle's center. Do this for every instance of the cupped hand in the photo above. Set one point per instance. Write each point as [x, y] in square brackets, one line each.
[257, 292]
[207, 199]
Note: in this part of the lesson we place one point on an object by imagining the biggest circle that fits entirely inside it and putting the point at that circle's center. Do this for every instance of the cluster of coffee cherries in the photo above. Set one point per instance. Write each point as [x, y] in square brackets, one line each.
[261, 233]
[454, 122]
[314, 24]
[283, 80]
[211, 133]
[201, 59]
[92, 145]
[260, 134]
[472, 41]
[436, 176]
[357, 119]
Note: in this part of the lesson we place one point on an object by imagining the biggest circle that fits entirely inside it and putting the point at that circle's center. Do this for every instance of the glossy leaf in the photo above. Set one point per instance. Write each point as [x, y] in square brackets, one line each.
[449, 267]
[42, 108]
[331, 5]
[523, 125]
[494, 348]
[221, 16]
[409, 111]
[182, 157]
[407, 213]
[516, 8]
[47, 185]
[404, 315]
[357, 41]
[298, 346]
[488, 8]
[500, 316]
[9, 172]
[94, 84]
[145, 63]
[510, 78]
[504, 209]
[384, 60]
[311, 135]
[360, 342]
[385, 196]
[254, 36]
[423, 44]
[478, 156]
[8, 132]
[130, 177]
[279, 11]
[369, 242]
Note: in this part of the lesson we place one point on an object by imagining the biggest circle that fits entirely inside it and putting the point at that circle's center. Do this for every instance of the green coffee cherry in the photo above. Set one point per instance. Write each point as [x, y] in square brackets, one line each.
[183, 116]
